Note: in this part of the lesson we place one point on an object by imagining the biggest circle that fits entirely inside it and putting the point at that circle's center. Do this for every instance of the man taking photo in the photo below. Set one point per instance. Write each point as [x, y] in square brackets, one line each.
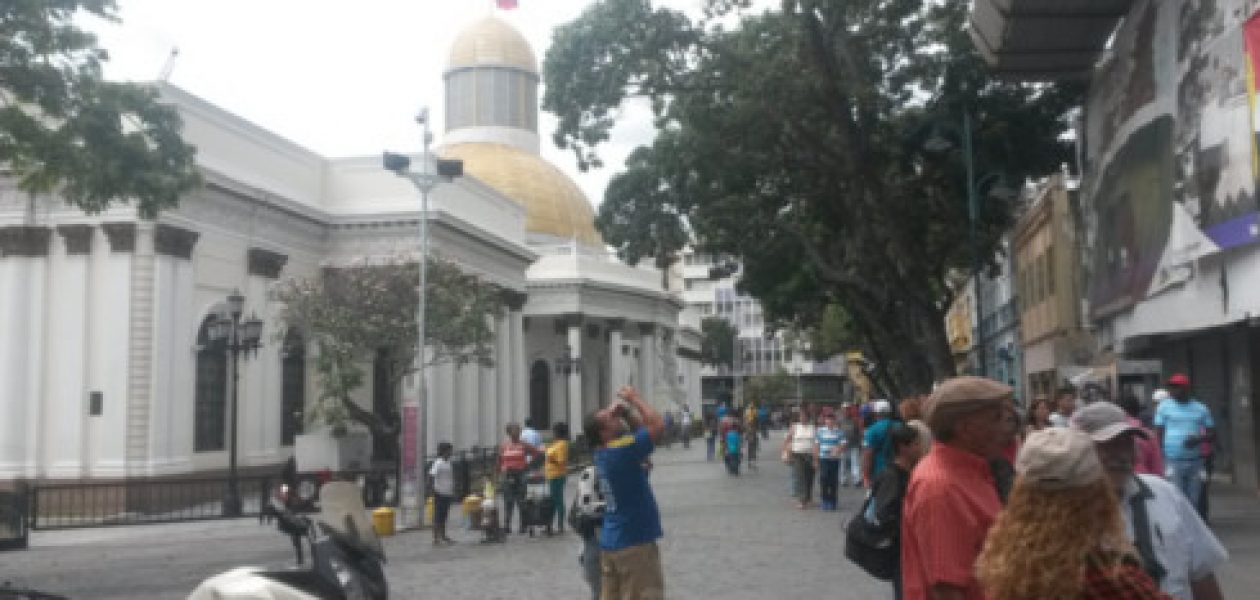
[624, 435]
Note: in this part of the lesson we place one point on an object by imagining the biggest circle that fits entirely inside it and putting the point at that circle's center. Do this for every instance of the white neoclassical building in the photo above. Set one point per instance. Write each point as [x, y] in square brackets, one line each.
[104, 370]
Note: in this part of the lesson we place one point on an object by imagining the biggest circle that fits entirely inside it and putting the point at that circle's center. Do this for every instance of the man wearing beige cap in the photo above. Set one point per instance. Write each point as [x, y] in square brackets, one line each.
[1177, 549]
[952, 499]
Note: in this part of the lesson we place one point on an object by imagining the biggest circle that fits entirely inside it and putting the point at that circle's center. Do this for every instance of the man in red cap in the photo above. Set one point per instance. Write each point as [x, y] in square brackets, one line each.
[1183, 425]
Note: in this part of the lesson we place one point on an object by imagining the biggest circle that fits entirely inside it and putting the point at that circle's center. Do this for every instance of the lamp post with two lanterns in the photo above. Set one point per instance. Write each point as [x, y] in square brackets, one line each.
[568, 365]
[229, 334]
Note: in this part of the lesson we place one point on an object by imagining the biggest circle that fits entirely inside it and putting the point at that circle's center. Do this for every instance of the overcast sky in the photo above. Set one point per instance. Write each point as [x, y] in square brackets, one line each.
[339, 78]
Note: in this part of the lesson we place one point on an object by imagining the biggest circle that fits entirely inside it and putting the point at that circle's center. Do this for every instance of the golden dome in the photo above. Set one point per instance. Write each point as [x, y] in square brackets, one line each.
[554, 205]
[491, 42]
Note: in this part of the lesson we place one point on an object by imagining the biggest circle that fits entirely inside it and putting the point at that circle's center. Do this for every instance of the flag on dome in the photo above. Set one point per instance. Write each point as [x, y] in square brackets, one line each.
[506, 4]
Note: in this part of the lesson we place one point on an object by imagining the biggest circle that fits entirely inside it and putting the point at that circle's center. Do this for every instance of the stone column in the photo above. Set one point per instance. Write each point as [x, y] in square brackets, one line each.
[487, 394]
[647, 362]
[504, 367]
[23, 273]
[265, 394]
[573, 382]
[616, 360]
[65, 420]
[519, 393]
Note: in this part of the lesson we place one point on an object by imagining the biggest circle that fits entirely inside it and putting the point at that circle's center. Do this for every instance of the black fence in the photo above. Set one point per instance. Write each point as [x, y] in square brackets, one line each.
[145, 501]
[13, 523]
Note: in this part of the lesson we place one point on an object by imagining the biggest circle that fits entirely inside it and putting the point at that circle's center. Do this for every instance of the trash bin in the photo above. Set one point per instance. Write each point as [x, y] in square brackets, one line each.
[383, 521]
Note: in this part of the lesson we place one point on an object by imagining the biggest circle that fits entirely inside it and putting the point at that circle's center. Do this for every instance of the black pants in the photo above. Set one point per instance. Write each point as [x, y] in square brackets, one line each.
[513, 486]
[732, 463]
[804, 465]
[828, 479]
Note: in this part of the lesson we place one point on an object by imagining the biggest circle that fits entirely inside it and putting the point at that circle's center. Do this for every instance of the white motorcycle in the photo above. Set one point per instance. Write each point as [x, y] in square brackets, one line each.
[346, 557]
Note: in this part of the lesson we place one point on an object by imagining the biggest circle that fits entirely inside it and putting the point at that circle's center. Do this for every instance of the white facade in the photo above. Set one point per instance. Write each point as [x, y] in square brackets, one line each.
[111, 305]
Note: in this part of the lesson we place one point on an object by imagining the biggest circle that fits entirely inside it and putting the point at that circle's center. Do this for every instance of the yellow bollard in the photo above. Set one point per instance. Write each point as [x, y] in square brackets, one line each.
[383, 521]
[428, 510]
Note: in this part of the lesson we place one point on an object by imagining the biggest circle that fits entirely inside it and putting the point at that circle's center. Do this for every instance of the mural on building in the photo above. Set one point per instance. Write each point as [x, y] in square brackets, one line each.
[1216, 180]
[1173, 181]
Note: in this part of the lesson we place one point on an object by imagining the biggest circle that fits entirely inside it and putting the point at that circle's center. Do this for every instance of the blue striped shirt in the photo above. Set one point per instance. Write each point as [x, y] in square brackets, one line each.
[828, 440]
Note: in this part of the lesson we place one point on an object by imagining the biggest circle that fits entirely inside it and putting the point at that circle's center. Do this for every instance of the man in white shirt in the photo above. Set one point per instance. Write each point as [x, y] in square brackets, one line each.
[1064, 406]
[442, 482]
[1177, 549]
[530, 435]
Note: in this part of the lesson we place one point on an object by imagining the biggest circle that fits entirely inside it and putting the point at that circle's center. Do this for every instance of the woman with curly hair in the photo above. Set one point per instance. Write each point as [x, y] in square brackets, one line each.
[1061, 536]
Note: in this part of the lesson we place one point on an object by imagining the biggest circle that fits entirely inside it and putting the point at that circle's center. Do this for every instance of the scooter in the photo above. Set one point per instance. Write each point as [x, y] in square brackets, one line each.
[346, 556]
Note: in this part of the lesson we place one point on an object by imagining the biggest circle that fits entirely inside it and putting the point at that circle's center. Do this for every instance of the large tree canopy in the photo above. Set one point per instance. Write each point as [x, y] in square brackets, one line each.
[64, 128]
[367, 311]
[794, 140]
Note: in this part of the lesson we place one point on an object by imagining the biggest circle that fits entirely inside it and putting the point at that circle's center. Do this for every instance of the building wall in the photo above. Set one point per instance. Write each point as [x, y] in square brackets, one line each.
[1173, 239]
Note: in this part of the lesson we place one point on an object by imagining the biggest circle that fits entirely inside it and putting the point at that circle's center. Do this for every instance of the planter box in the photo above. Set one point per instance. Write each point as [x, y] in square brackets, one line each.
[321, 450]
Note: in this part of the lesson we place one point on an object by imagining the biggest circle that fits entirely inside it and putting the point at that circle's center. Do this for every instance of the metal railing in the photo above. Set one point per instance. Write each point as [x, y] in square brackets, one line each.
[13, 526]
[470, 468]
[139, 501]
[149, 501]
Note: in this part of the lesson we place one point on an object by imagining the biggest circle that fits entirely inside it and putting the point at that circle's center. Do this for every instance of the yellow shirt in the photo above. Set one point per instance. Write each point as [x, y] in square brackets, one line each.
[557, 462]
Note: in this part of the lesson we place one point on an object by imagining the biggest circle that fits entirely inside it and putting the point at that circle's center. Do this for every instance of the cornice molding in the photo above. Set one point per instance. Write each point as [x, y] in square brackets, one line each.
[78, 238]
[178, 242]
[121, 236]
[265, 263]
[25, 240]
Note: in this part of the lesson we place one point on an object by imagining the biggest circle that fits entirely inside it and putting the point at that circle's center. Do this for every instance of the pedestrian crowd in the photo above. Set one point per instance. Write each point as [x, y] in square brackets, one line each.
[964, 499]
[1081, 502]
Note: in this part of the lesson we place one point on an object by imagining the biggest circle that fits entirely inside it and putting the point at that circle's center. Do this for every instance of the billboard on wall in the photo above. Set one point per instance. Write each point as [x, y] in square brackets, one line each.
[1173, 125]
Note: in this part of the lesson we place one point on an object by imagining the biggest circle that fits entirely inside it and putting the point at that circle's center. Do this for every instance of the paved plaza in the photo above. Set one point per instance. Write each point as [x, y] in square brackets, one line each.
[730, 538]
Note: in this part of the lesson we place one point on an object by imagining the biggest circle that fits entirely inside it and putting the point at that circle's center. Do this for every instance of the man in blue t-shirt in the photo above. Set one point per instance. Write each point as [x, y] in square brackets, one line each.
[875, 450]
[624, 435]
[1184, 425]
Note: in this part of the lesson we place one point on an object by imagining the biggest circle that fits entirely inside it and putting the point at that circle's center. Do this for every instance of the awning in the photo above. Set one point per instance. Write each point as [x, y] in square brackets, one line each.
[1044, 40]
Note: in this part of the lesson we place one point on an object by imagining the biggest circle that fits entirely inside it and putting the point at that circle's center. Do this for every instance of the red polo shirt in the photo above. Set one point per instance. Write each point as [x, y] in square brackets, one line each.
[950, 504]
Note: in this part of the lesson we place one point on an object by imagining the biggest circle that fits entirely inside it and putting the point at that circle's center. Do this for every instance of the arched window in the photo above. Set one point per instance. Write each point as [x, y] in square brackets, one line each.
[292, 386]
[210, 401]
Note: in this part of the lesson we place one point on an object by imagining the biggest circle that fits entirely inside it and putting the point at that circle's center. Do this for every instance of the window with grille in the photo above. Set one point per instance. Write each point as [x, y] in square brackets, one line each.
[210, 396]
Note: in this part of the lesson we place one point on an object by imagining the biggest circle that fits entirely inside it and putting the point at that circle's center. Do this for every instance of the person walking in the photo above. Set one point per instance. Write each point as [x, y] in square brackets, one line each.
[751, 445]
[732, 440]
[556, 471]
[1183, 424]
[1177, 549]
[952, 500]
[1064, 406]
[625, 434]
[1150, 458]
[889, 488]
[875, 450]
[685, 419]
[827, 451]
[1061, 536]
[587, 517]
[851, 455]
[1038, 415]
[710, 436]
[799, 445]
[763, 421]
[442, 482]
[514, 461]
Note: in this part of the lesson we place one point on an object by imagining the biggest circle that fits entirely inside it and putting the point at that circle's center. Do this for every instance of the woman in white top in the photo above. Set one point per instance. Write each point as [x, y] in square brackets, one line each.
[798, 446]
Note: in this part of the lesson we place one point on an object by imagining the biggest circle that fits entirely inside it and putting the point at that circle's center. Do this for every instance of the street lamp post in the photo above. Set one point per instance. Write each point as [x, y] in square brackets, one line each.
[235, 337]
[568, 365]
[425, 180]
[938, 144]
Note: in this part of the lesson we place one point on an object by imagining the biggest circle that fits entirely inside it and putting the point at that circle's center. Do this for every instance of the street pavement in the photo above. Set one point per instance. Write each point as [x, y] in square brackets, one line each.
[726, 537]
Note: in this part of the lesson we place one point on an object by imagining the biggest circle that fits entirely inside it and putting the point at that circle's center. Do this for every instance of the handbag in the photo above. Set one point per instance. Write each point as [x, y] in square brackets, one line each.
[870, 548]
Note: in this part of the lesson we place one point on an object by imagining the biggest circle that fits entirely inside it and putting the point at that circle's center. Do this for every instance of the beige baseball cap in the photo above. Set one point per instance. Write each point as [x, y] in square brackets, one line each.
[1058, 458]
[963, 395]
[1103, 421]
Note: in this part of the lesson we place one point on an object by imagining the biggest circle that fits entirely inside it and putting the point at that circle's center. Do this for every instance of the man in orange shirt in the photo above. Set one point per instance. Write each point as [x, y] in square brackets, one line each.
[952, 499]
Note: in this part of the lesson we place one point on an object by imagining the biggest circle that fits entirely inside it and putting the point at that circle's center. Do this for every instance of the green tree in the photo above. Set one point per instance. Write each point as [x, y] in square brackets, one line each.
[775, 388]
[717, 346]
[793, 140]
[64, 128]
[367, 312]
